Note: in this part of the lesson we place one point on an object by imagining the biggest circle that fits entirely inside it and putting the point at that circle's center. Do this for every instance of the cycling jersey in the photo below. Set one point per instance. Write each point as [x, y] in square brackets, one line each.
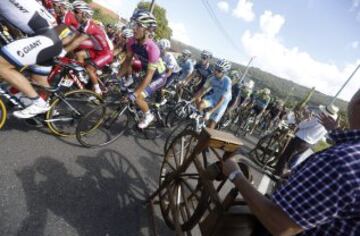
[148, 53]
[69, 19]
[27, 15]
[186, 68]
[204, 70]
[219, 88]
[98, 37]
[32, 18]
[261, 100]
[170, 62]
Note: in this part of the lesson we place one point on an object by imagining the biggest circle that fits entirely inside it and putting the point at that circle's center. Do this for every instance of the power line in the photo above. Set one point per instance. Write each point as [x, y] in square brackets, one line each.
[217, 22]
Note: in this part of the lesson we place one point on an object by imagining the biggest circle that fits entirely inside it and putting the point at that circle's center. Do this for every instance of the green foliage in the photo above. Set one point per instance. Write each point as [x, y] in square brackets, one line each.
[163, 30]
[105, 19]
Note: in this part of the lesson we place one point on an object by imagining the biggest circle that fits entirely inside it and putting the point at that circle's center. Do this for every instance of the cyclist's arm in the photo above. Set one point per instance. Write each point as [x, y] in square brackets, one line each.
[190, 77]
[125, 66]
[76, 42]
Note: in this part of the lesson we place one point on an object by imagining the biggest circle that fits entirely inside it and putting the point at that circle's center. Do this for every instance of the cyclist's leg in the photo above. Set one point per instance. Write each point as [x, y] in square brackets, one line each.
[217, 115]
[24, 52]
[98, 60]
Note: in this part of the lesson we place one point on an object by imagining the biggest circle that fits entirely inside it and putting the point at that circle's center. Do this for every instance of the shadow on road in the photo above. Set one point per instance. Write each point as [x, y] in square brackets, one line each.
[106, 200]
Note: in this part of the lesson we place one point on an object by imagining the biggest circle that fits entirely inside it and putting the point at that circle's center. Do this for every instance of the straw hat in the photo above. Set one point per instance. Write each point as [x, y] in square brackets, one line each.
[330, 110]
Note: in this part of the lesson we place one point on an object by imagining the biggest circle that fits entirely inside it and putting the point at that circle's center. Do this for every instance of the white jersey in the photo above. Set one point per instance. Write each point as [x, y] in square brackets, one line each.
[27, 15]
[170, 62]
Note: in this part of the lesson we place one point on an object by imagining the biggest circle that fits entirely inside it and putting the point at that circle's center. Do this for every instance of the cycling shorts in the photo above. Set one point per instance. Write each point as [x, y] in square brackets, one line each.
[156, 84]
[38, 49]
[218, 113]
[100, 58]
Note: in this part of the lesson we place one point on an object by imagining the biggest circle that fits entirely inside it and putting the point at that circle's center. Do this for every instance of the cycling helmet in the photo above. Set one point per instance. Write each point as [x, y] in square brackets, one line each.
[249, 84]
[234, 74]
[83, 7]
[64, 3]
[267, 91]
[145, 18]
[222, 65]
[164, 44]
[206, 54]
[127, 33]
[186, 53]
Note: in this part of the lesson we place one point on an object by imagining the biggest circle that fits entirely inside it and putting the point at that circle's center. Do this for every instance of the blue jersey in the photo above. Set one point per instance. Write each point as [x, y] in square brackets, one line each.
[204, 71]
[219, 88]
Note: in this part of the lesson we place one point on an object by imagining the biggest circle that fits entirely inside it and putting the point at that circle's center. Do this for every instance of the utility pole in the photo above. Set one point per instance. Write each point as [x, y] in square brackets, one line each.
[152, 5]
[347, 81]
[246, 70]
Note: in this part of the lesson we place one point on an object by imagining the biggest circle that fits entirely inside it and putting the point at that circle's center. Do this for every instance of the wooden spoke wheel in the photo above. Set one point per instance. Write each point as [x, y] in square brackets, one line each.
[185, 195]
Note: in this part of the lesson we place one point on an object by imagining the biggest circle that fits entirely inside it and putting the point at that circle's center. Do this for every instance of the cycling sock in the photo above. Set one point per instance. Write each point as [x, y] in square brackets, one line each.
[39, 101]
[97, 88]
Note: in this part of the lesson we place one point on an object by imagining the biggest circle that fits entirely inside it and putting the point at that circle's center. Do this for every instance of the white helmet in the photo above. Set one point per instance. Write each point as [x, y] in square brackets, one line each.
[64, 3]
[164, 44]
[83, 7]
[234, 74]
[267, 91]
[128, 33]
[186, 52]
[222, 65]
[206, 54]
[249, 84]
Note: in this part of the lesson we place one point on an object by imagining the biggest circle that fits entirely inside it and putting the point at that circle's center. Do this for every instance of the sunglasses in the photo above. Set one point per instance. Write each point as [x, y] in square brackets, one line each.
[77, 11]
[204, 57]
[218, 70]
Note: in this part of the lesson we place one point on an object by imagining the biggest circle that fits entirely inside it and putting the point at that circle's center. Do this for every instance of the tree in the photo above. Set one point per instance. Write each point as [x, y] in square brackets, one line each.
[105, 19]
[163, 30]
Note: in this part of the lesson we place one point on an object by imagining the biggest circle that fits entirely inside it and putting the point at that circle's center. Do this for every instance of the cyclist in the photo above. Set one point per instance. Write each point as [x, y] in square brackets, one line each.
[202, 69]
[63, 9]
[45, 41]
[235, 78]
[260, 101]
[186, 65]
[145, 49]
[94, 45]
[219, 97]
[172, 68]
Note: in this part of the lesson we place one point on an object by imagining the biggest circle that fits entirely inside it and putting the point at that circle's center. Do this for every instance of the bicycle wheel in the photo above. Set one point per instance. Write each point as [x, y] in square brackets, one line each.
[3, 113]
[65, 112]
[185, 190]
[102, 126]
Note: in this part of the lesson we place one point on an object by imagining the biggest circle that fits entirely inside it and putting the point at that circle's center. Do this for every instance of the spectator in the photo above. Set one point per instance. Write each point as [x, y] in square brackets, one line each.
[321, 196]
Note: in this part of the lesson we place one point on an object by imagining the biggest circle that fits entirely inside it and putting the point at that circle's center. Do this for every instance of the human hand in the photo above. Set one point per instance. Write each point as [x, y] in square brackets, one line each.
[328, 122]
[207, 115]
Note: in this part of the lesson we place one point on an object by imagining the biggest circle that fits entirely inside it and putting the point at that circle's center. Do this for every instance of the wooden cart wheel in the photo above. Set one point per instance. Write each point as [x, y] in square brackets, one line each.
[266, 151]
[185, 191]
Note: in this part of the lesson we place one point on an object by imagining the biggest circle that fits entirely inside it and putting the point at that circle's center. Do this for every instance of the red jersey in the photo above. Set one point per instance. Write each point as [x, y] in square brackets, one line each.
[97, 35]
[69, 19]
[49, 6]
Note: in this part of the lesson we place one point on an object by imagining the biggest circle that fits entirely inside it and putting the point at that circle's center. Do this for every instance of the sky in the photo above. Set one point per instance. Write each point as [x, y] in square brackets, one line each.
[314, 43]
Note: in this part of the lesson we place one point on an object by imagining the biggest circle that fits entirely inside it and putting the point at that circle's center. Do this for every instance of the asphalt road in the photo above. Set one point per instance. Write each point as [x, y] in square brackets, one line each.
[52, 186]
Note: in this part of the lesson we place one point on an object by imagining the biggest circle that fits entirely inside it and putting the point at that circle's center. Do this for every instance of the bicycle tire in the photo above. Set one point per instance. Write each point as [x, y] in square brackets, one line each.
[3, 113]
[61, 119]
[102, 126]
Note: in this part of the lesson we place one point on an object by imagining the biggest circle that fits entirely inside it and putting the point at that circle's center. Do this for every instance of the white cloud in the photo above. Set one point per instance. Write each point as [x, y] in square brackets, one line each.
[244, 10]
[179, 32]
[355, 3]
[294, 63]
[355, 44]
[223, 6]
[270, 23]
